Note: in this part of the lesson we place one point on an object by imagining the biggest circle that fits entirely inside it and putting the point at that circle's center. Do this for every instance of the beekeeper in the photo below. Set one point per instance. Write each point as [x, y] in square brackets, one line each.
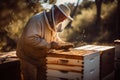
[38, 37]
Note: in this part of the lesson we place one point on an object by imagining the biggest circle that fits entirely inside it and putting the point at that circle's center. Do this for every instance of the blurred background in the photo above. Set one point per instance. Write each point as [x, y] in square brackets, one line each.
[95, 21]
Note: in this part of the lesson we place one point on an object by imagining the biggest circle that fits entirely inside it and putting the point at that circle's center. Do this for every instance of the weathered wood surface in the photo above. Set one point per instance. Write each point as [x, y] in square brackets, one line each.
[8, 56]
[64, 74]
[70, 54]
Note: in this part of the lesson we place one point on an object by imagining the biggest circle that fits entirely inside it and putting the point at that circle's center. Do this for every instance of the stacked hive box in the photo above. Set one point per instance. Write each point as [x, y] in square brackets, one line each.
[107, 54]
[73, 65]
[9, 66]
[117, 49]
[117, 59]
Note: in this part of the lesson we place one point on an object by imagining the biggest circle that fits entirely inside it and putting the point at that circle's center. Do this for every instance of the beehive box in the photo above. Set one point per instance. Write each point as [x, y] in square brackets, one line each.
[73, 65]
[107, 55]
[117, 59]
[9, 67]
[117, 49]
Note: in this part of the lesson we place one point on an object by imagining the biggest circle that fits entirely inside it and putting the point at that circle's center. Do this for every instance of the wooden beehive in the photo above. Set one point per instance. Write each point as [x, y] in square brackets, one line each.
[107, 55]
[9, 67]
[73, 65]
[117, 59]
[117, 49]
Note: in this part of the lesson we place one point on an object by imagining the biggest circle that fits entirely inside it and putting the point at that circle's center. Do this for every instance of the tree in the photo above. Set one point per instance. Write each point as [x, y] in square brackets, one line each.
[13, 16]
[118, 19]
[73, 13]
[98, 9]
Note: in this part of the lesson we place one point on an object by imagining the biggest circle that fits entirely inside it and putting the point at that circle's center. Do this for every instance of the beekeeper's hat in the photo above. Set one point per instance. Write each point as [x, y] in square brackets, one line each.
[65, 10]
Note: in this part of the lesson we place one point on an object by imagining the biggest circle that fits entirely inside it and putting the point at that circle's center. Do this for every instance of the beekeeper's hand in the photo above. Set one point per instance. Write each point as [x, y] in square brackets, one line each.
[66, 45]
[55, 45]
[59, 45]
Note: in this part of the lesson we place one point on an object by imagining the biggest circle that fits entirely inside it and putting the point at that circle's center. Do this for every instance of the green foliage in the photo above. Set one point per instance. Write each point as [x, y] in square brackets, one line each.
[85, 28]
[13, 16]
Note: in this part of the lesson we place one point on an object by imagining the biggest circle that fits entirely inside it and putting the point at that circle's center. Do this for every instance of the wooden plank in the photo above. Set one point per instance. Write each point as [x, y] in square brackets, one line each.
[8, 54]
[64, 61]
[71, 54]
[64, 74]
[65, 68]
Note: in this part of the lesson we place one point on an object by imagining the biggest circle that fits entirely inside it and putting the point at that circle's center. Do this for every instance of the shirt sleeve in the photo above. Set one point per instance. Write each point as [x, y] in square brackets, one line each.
[34, 36]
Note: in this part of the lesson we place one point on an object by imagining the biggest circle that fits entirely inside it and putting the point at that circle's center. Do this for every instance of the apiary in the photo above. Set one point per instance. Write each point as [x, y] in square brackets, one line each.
[107, 55]
[73, 65]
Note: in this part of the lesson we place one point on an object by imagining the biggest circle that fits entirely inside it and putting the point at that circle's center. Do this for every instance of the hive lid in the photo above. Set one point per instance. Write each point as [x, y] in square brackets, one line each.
[72, 53]
[117, 41]
[94, 47]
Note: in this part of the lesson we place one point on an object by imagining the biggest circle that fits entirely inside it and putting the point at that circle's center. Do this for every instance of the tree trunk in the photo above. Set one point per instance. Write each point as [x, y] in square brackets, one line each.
[98, 9]
[73, 13]
[118, 20]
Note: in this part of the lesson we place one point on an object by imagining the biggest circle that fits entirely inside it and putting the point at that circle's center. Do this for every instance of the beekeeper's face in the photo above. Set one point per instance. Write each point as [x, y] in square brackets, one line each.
[60, 27]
